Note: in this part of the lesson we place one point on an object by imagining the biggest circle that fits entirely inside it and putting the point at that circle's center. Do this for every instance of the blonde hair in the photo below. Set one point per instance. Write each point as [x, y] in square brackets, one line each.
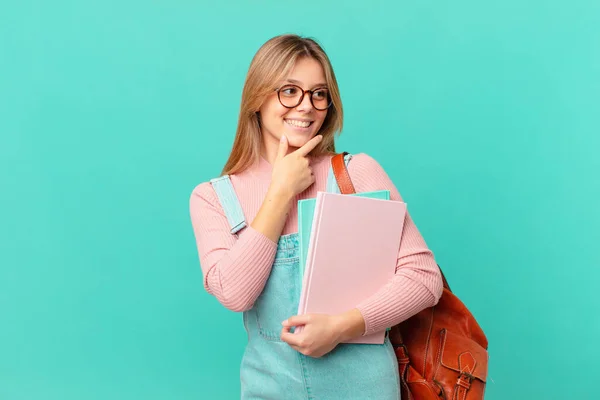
[271, 63]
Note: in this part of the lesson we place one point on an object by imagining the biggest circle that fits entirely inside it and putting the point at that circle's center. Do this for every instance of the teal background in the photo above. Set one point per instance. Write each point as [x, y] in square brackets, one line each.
[485, 115]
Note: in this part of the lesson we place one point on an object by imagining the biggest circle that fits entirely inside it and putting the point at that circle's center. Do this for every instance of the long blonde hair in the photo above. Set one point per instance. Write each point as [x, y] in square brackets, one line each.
[271, 63]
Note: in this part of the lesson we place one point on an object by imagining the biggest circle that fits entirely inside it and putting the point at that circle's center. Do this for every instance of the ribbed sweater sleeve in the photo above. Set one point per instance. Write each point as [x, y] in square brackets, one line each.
[417, 283]
[235, 270]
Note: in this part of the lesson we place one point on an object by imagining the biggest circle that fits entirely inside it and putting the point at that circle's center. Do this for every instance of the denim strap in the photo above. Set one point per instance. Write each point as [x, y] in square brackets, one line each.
[230, 203]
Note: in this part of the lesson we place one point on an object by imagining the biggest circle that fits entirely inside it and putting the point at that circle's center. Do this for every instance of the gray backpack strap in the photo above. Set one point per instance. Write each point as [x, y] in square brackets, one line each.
[230, 202]
[332, 186]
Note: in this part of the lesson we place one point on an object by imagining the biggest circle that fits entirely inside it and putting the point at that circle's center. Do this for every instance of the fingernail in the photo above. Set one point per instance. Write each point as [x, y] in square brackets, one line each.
[284, 323]
[282, 138]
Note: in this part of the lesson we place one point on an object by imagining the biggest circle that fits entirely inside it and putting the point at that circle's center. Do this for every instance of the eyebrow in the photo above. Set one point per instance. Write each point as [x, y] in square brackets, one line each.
[300, 83]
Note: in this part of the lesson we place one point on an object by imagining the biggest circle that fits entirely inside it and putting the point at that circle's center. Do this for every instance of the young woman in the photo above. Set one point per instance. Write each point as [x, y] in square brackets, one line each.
[245, 223]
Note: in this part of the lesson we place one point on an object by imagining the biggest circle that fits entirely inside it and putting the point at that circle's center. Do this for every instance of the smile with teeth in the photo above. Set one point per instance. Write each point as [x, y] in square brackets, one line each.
[298, 123]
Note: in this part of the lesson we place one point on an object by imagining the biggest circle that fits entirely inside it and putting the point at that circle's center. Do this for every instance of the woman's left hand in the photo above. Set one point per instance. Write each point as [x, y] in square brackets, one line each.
[320, 335]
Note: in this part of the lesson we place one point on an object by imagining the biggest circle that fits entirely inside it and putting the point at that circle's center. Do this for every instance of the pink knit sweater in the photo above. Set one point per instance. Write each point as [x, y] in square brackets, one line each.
[235, 270]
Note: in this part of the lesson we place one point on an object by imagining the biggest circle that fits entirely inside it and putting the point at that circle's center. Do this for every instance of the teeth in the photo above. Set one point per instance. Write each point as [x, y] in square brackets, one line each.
[301, 124]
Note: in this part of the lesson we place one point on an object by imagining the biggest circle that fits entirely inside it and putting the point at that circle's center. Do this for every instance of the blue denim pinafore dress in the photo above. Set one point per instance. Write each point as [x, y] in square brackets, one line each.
[270, 368]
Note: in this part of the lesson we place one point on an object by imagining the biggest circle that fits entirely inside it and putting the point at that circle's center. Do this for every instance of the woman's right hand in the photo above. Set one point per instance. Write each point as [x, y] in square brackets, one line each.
[292, 173]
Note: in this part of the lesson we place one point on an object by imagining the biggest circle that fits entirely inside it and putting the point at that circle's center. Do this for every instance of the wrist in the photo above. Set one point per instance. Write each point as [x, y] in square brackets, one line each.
[349, 325]
[280, 194]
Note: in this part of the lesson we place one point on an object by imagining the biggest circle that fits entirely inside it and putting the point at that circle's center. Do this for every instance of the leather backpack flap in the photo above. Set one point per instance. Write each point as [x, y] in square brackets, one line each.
[463, 355]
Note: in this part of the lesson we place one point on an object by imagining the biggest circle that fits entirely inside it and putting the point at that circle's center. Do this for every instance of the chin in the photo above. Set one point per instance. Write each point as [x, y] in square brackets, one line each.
[296, 140]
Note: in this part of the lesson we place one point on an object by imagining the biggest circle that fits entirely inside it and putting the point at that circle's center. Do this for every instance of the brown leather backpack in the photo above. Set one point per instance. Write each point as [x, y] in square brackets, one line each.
[442, 350]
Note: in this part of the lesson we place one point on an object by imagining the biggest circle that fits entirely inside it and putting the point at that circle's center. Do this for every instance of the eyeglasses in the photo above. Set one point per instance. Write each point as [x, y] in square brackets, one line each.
[291, 96]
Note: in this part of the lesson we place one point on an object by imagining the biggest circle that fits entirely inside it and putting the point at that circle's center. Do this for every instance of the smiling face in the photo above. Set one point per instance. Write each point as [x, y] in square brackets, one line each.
[300, 123]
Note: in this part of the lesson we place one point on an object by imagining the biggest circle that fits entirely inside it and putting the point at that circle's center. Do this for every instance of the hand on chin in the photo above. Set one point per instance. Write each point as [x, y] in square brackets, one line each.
[297, 140]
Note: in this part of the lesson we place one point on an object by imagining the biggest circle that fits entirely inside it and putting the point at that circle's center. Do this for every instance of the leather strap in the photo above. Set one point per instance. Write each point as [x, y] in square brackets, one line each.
[341, 174]
[403, 362]
[463, 384]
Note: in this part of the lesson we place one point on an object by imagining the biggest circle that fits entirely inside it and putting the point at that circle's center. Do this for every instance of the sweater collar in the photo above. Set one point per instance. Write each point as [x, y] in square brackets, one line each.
[263, 170]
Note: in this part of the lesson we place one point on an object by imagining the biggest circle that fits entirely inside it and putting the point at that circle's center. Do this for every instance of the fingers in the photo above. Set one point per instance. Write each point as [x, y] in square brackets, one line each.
[308, 146]
[298, 349]
[283, 147]
[297, 320]
[299, 342]
[290, 338]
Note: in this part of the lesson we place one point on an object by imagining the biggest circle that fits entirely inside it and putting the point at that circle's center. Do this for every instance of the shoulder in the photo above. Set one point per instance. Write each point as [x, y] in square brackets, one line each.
[368, 174]
[363, 163]
[203, 194]
[203, 189]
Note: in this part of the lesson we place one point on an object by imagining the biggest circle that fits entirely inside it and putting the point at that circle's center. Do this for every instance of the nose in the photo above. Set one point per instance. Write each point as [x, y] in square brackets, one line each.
[305, 105]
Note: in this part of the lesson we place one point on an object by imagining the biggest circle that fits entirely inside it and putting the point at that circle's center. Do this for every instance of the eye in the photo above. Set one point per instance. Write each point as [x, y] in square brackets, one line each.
[320, 94]
[289, 90]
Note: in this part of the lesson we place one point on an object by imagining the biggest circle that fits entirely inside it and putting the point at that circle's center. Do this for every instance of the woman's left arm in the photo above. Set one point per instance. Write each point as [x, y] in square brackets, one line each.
[417, 283]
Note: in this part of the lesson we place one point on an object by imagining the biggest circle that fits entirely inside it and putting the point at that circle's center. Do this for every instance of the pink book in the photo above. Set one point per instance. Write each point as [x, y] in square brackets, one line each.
[352, 253]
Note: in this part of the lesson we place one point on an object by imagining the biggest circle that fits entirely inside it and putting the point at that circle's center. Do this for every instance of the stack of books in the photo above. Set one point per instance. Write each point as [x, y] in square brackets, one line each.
[348, 250]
